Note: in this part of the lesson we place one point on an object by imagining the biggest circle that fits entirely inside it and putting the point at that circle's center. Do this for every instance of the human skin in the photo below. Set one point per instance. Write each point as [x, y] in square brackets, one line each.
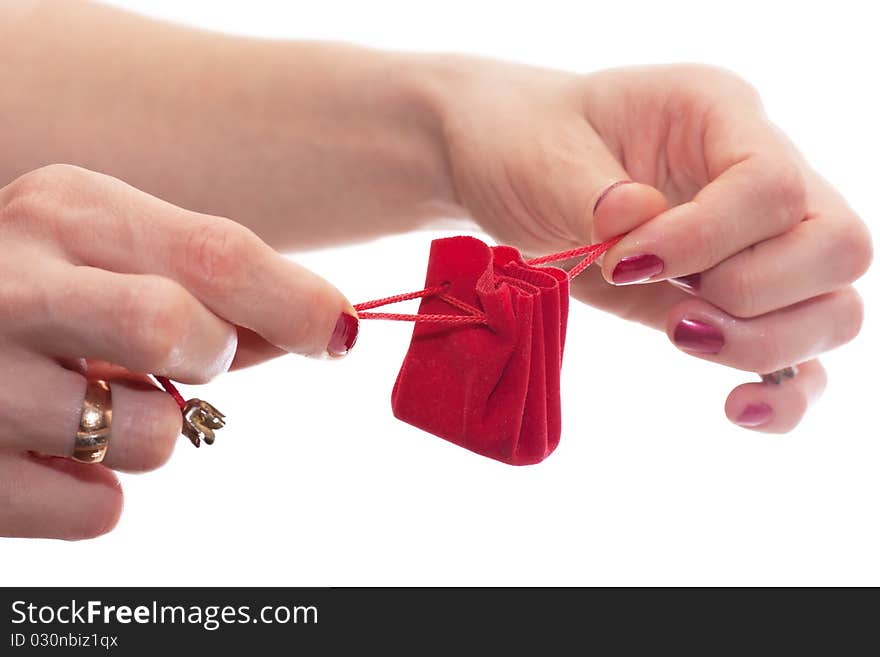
[232, 149]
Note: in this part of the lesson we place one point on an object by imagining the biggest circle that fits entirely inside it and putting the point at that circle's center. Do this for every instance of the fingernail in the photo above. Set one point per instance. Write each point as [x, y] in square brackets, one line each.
[344, 335]
[608, 189]
[637, 268]
[698, 337]
[754, 415]
[691, 282]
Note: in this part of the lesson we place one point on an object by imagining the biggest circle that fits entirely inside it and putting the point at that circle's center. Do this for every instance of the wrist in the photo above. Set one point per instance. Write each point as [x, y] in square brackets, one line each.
[365, 126]
[418, 87]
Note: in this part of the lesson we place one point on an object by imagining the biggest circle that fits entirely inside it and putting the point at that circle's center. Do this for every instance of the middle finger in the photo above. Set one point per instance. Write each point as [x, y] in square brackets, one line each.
[830, 249]
[752, 201]
[770, 342]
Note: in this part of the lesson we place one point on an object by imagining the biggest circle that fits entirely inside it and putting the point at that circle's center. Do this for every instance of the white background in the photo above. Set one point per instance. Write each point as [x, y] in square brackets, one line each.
[315, 483]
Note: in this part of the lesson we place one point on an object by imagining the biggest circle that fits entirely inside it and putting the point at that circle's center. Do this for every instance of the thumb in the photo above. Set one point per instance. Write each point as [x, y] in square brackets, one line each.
[329, 321]
[226, 266]
[586, 183]
[246, 282]
[622, 205]
[283, 306]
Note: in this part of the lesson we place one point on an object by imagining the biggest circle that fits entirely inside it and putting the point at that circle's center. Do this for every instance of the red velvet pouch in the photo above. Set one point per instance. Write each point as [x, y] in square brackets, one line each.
[551, 287]
[532, 444]
[492, 388]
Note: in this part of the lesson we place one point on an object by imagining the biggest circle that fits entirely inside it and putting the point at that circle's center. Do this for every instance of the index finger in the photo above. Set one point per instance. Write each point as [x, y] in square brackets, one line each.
[753, 189]
[103, 222]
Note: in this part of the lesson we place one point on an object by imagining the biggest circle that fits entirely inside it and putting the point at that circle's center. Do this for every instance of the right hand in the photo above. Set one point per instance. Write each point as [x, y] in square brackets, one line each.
[761, 251]
[100, 280]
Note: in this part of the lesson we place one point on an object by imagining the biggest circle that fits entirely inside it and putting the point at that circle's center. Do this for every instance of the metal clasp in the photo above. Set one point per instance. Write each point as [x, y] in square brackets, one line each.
[200, 421]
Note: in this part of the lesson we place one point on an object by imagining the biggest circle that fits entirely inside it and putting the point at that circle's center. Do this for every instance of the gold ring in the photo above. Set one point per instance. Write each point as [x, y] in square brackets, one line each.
[93, 435]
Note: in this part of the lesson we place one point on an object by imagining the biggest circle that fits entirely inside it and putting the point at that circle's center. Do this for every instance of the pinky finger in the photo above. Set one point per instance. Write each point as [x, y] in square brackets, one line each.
[776, 408]
[56, 497]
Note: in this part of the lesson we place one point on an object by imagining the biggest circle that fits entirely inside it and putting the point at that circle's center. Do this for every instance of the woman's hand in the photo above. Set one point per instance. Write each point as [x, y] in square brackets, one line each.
[736, 248]
[100, 280]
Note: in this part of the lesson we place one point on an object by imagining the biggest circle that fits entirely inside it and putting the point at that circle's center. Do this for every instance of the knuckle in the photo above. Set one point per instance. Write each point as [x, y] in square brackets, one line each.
[18, 300]
[853, 249]
[216, 252]
[708, 76]
[50, 175]
[789, 191]
[741, 295]
[27, 200]
[733, 80]
[60, 174]
[709, 245]
[743, 88]
[40, 195]
[852, 316]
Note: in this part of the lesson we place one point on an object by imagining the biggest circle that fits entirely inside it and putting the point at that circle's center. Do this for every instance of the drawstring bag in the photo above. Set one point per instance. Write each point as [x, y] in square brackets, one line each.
[483, 366]
[482, 369]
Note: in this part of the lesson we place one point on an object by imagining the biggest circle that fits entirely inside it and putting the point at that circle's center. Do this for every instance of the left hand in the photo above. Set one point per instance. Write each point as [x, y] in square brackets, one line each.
[760, 250]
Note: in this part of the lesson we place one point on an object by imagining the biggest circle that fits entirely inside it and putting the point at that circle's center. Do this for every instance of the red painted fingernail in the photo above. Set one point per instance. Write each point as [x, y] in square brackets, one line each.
[698, 337]
[608, 189]
[637, 268]
[754, 415]
[344, 335]
[691, 282]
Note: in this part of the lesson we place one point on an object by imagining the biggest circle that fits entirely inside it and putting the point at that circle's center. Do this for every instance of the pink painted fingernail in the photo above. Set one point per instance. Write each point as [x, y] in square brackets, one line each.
[754, 415]
[607, 190]
[691, 282]
[698, 337]
[344, 335]
[637, 268]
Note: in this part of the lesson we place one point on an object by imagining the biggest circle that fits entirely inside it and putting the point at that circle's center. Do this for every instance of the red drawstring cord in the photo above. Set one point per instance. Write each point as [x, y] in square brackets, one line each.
[474, 316]
[200, 419]
[590, 252]
[171, 390]
[197, 432]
